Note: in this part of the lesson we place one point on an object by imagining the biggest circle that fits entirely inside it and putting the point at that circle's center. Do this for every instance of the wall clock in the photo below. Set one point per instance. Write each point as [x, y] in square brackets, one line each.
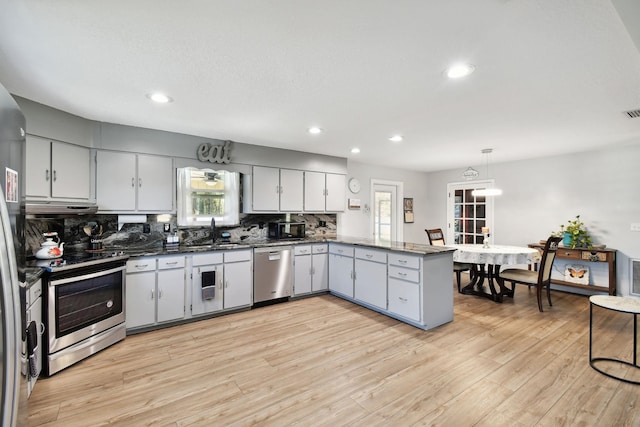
[354, 185]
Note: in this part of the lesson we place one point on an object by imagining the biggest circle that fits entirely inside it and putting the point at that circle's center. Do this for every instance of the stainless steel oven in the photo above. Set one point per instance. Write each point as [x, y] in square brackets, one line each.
[84, 311]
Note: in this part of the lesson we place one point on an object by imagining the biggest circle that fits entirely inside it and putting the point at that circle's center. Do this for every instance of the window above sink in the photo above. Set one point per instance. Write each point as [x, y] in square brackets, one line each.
[207, 193]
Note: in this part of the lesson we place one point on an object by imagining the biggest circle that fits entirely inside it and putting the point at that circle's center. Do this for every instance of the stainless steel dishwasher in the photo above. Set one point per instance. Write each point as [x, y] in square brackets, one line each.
[272, 273]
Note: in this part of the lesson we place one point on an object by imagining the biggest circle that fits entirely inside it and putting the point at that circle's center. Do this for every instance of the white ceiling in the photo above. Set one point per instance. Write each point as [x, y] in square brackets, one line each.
[552, 76]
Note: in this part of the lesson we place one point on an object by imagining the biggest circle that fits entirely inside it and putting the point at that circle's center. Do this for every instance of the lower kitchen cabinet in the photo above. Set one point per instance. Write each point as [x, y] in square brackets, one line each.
[341, 269]
[155, 290]
[370, 281]
[207, 281]
[238, 278]
[413, 288]
[311, 269]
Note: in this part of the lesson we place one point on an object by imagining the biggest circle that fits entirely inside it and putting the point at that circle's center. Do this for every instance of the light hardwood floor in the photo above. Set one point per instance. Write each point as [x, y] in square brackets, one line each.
[325, 361]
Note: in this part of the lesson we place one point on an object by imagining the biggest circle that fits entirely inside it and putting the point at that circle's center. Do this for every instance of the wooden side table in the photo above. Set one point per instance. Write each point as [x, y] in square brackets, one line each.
[583, 255]
[623, 305]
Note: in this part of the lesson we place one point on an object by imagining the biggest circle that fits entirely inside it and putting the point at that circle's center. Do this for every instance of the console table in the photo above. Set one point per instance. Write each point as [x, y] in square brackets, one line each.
[588, 256]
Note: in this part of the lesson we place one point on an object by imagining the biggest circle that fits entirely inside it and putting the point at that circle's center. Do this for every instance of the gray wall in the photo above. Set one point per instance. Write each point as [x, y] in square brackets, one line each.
[541, 194]
[357, 222]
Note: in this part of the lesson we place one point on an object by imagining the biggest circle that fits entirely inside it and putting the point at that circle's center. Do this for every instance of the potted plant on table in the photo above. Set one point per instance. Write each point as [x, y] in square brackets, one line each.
[575, 234]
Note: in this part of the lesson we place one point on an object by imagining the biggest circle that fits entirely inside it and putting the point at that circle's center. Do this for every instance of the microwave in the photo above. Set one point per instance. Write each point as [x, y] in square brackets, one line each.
[286, 230]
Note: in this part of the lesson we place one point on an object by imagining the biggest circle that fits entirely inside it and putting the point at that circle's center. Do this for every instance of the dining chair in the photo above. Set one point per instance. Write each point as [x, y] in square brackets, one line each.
[436, 238]
[540, 279]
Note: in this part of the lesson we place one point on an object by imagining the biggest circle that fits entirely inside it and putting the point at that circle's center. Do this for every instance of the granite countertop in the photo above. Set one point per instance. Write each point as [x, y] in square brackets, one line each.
[32, 275]
[415, 248]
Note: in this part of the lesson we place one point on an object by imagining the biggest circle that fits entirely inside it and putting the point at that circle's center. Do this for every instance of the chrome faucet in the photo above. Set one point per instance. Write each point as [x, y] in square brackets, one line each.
[213, 230]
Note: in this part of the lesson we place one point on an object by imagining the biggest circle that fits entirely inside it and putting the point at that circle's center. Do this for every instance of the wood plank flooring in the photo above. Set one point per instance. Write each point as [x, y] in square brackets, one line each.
[323, 361]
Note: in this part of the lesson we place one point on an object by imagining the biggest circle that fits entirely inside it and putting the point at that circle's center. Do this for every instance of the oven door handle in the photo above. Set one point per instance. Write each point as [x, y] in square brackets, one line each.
[57, 282]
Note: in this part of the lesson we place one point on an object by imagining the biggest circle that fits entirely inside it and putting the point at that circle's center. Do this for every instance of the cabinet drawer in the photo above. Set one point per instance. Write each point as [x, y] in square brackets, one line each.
[35, 292]
[141, 264]
[404, 299]
[404, 274]
[371, 255]
[240, 255]
[564, 253]
[320, 249]
[208, 258]
[302, 250]
[165, 263]
[594, 256]
[341, 250]
[396, 258]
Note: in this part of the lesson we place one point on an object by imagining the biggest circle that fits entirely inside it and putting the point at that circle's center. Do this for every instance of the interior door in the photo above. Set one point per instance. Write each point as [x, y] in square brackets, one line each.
[467, 214]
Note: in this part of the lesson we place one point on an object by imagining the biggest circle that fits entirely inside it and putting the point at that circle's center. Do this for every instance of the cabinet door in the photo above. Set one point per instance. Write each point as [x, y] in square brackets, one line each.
[206, 304]
[238, 284]
[341, 274]
[302, 274]
[116, 181]
[38, 158]
[170, 294]
[320, 268]
[141, 299]
[336, 193]
[71, 178]
[370, 284]
[404, 298]
[155, 183]
[34, 313]
[291, 190]
[314, 191]
[266, 189]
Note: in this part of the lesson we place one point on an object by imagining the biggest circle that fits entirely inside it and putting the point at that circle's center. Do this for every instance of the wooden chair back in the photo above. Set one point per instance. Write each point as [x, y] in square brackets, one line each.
[548, 256]
[436, 237]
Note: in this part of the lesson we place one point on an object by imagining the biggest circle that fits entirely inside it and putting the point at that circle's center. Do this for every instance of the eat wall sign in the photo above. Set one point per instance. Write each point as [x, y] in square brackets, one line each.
[215, 153]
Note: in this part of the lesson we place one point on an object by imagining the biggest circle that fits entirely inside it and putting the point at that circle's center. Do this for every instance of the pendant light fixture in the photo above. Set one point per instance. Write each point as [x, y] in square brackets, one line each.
[490, 191]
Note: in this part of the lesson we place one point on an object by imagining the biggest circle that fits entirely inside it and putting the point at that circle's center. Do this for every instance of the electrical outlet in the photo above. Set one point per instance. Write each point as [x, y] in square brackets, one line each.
[146, 228]
[167, 227]
[635, 226]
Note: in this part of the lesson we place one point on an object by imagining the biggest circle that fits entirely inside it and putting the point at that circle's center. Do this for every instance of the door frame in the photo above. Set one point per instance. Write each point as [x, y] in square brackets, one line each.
[468, 185]
[399, 212]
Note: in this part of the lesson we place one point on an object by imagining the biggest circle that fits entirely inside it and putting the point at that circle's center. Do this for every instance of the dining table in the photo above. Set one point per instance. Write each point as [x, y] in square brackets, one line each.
[486, 261]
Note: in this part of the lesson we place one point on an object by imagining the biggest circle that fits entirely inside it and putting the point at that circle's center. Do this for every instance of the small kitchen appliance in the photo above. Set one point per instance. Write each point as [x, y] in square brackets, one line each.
[286, 230]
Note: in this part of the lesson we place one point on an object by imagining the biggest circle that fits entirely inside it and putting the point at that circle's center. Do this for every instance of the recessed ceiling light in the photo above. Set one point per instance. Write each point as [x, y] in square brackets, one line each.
[160, 98]
[457, 71]
[355, 150]
[315, 130]
[396, 138]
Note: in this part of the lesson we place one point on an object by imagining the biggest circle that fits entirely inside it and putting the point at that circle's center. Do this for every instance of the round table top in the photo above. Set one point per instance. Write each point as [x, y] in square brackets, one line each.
[624, 304]
[495, 254]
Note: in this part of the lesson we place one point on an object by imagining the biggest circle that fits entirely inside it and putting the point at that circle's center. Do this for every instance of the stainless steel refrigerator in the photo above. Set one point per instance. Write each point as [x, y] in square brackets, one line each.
[12, 260]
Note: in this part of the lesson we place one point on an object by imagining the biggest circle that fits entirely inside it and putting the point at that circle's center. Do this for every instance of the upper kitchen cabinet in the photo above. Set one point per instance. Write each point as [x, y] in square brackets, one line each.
[324, 192]
[57, 170]
[276, 190]
[127, 182]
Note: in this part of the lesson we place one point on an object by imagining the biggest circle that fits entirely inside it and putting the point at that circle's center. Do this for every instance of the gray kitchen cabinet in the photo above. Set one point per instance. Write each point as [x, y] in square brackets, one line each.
[34, 314]
[238, 278]
[341, 269]
[57, 170]
[370, 281]
[207, 273]
[155, 290]
[324, 192]
[170, 301]
[127, 182]
[311, 269]
[276, 190]
[405, 286]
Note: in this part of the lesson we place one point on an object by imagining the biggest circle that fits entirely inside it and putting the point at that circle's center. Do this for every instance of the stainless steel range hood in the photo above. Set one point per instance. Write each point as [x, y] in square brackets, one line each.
[60, 208]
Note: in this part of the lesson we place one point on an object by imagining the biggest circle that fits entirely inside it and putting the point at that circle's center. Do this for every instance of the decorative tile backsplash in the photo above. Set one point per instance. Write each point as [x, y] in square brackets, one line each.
[78, 231]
